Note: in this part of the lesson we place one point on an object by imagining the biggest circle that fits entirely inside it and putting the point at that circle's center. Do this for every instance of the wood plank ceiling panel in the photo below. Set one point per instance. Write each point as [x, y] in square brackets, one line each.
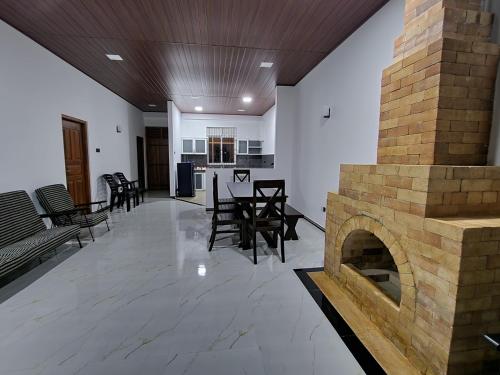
[195, 52]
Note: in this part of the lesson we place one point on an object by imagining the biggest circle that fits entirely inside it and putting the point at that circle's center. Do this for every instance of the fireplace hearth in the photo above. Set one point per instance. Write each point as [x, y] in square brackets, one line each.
[414, 241]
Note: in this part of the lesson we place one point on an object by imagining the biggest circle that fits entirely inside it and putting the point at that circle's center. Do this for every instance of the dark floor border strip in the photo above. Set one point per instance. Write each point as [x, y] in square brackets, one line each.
[183, 200]
[367, 362]
[310, 221]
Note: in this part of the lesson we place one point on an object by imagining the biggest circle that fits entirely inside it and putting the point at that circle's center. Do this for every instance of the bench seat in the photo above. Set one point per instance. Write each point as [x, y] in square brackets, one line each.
[292, 216]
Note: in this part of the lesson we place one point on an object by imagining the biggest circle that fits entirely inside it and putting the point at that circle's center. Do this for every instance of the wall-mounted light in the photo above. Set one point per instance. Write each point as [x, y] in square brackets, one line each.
[326, 112]
[198, 108]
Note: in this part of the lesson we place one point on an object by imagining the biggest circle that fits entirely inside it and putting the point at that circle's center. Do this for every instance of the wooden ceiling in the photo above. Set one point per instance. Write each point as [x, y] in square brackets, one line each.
[194, 52]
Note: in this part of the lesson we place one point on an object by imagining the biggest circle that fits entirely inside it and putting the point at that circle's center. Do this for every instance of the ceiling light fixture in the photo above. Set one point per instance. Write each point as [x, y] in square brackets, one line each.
[195, 97]
[266, 64]
[198, 108]
[247, 99]
[152, 105]
[241, 110]
[114, 57]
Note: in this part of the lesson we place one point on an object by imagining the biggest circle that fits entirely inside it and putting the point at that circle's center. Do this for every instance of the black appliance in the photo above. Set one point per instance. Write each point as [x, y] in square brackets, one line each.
[185, 179]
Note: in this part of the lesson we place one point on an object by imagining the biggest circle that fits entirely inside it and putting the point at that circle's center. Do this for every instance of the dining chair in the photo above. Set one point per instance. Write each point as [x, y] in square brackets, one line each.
[268, 213]
[241, 175]
[116, 191]
[132, 186]
[225, 215]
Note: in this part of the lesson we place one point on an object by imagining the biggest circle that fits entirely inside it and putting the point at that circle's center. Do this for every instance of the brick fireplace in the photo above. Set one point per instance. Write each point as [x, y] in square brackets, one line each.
[414, 241]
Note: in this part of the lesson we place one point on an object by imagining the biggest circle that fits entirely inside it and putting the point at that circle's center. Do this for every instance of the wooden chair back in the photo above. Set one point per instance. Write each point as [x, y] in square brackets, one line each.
[269, 199]
[215, 192]
[241, 175]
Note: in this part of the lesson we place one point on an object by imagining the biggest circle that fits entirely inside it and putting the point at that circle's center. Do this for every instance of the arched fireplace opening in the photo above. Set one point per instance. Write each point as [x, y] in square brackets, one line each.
[368, 255]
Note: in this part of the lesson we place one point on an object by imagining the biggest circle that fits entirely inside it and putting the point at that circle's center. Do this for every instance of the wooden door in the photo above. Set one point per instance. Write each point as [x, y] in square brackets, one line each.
[140, 161]
[76, 159]
[157, 158]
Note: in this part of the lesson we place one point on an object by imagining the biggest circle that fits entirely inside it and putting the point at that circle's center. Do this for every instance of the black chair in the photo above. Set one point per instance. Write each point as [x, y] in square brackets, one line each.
[225, 215]
[61, 209]
[132, 186]
[268, 213]
[116, 191]
[241, 175]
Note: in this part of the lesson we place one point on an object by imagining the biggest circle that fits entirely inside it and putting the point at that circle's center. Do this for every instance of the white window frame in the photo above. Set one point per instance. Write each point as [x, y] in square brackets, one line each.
[193, 143]
[235, 145]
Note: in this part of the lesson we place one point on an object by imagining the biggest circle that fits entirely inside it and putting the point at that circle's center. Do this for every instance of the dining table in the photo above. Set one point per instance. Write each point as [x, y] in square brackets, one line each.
[242, 193]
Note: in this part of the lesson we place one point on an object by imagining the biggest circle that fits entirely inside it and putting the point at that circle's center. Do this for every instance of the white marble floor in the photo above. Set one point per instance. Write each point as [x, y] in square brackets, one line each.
[147, 298]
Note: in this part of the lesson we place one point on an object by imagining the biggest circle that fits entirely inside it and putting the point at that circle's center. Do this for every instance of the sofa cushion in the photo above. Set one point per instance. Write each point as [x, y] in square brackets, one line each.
[18, 218]
[16, 254]
[55, 198]
[85, 221]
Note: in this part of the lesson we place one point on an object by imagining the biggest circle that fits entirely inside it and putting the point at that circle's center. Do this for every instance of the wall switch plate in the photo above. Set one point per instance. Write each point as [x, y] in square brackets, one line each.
[97, 150]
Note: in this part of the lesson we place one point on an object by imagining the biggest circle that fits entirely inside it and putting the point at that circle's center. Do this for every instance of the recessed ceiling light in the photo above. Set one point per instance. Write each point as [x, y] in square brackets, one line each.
[198, 108]
[152, 105]
[114, 57]
[195, 97]
[241, 110]
[247, 99]
[266, 64]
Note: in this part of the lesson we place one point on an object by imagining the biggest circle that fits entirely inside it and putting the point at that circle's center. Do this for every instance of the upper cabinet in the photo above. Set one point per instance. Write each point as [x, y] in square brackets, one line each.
[249, 147]
[194, 146]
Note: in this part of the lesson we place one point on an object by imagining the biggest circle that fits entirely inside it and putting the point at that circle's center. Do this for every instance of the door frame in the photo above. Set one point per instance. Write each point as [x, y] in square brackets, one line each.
[86, 170]
[142, 141]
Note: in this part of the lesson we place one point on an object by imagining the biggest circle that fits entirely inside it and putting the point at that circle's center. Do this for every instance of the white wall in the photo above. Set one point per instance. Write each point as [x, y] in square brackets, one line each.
[155, 119]
[194, 125]
[174, 143]
[348, 80]
[268, 131]
[36, 88]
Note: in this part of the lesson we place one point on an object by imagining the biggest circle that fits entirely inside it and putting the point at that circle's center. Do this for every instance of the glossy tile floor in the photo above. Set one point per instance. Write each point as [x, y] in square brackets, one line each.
[147, 298]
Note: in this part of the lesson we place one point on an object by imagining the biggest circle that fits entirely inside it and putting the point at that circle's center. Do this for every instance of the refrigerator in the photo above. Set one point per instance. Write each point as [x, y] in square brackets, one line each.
[185, 180]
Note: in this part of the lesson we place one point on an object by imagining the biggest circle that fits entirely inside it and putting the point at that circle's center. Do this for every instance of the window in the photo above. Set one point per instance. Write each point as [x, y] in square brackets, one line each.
[194, 146]
[221, 145]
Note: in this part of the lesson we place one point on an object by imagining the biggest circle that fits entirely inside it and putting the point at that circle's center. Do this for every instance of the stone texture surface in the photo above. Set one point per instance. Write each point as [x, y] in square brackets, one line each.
[436, 103]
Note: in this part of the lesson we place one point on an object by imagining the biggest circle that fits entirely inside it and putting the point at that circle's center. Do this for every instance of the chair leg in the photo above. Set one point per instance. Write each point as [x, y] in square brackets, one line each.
[212, 236]
[282, 238]
[79, 242]
[255, 247]
[112, 203]
[106, 220]
[91, 234]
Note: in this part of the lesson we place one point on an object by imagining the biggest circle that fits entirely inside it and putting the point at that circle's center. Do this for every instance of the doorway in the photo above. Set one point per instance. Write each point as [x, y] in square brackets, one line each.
[157, 158]
[76, 159]
[140, 162]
